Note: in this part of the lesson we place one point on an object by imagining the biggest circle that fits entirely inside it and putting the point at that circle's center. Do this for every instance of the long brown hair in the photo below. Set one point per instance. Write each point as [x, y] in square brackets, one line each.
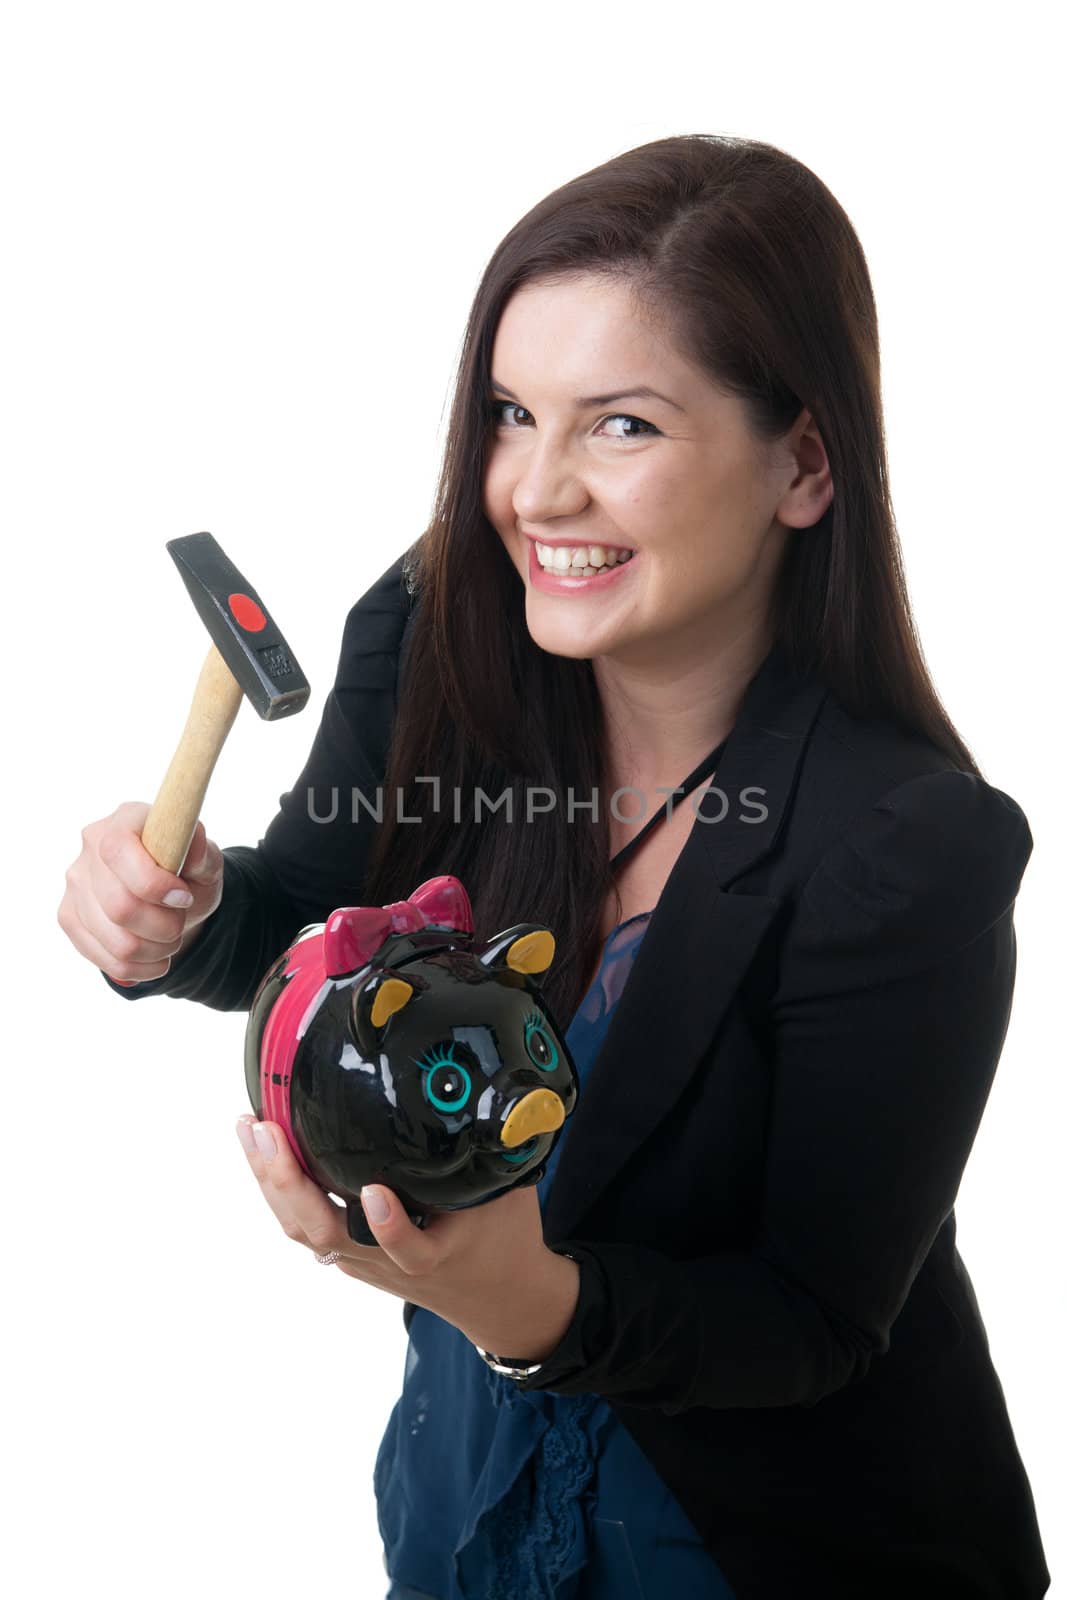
[754, 267]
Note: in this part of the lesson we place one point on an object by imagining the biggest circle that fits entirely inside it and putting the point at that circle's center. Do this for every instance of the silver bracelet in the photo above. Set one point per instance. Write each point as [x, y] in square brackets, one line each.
[506, 1369]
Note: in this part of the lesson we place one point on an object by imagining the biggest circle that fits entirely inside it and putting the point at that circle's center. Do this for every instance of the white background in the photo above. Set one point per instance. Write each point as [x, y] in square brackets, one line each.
[240, 243]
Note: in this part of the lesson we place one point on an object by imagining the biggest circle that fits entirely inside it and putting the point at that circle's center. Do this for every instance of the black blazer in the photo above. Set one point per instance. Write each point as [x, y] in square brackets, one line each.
[760, 1175]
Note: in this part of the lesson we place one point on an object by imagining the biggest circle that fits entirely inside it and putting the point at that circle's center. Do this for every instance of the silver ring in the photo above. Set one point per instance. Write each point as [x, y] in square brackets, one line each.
[329, 1258]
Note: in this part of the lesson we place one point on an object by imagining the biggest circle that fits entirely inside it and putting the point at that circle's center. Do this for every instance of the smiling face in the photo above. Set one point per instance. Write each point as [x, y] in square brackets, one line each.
[678, 477]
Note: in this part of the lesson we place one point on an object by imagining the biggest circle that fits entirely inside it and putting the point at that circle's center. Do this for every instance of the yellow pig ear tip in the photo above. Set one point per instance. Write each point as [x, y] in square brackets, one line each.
[393, 994]
[532, 952]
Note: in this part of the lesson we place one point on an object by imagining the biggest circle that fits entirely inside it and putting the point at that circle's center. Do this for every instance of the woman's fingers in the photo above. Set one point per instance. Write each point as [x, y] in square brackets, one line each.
[121, 967]
[310, 1217]
[124, 912]
[282, 1180]
[128, 933]
[306, 1214]
[414, 1250]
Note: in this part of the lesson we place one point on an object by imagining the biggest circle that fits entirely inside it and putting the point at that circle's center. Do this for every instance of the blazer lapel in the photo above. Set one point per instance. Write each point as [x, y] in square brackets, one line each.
[699, 943]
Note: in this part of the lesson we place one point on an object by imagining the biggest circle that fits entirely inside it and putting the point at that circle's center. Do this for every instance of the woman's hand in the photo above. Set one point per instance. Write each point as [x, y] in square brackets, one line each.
[485, 1269]
[123, 912]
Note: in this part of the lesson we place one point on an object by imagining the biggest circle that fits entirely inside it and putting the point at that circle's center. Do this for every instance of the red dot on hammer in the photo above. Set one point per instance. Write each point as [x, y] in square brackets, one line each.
[246, 613]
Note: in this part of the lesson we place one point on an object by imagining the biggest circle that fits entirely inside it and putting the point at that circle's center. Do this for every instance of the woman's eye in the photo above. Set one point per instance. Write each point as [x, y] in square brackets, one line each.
[620, 416]
[500, 406]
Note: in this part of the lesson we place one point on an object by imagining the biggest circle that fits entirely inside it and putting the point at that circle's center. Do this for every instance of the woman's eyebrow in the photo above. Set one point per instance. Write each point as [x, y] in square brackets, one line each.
[642, 392]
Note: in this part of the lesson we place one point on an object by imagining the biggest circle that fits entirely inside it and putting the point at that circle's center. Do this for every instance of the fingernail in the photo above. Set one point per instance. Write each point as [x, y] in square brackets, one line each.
[178, 897]
[375, 1205]
[244, 1133]
[264, 1141]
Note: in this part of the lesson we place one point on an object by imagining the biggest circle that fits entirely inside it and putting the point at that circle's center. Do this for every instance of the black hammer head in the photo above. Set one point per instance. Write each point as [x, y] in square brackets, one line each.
[243, 630]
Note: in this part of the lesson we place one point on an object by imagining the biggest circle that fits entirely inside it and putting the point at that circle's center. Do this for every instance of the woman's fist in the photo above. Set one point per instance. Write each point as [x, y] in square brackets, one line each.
[126, 914]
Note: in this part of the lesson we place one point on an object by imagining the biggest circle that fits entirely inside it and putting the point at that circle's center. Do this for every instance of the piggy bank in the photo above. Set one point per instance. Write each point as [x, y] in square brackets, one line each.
[393, 1049]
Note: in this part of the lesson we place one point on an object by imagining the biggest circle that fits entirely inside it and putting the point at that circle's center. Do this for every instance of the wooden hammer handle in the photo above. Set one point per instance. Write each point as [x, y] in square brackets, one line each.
[169, 826]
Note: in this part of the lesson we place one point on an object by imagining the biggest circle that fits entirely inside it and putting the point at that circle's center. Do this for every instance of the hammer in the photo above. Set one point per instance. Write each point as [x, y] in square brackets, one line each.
[248, 658]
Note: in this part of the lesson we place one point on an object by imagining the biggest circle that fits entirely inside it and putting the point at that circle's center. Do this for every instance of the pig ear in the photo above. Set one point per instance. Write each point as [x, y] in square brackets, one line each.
[528, 947]
[375, 1000]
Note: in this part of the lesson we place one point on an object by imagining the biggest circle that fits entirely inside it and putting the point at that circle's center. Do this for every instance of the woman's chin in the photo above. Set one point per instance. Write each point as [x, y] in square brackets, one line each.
[558, 640]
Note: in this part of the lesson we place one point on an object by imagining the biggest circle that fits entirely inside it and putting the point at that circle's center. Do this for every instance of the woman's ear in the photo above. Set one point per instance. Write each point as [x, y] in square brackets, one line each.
[811, 488]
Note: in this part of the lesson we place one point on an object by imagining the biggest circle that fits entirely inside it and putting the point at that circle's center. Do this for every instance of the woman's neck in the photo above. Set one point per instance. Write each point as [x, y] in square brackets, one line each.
[661, 721]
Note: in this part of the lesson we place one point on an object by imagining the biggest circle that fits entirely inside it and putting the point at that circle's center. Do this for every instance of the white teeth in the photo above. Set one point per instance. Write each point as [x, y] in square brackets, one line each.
[580, 560]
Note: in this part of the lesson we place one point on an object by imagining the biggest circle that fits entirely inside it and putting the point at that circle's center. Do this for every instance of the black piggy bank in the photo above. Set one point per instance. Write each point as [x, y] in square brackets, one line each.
[393, 1049]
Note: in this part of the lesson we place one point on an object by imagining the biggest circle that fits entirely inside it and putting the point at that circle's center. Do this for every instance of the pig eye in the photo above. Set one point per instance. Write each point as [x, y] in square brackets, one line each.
[448, 1083]
[523, 1152]
[540, 1046]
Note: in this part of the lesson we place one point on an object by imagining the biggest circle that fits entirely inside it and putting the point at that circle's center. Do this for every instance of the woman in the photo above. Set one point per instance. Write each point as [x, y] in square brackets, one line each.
[729, 1348]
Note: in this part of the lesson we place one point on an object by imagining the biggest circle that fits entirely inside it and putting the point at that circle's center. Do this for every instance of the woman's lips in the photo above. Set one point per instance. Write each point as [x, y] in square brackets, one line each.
[561, 583]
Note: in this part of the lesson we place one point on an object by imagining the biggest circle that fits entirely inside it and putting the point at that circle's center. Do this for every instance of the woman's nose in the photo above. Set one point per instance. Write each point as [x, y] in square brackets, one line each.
[548, 485]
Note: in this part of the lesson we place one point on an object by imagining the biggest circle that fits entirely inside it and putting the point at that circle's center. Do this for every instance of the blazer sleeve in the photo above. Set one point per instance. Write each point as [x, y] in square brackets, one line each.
[892, 1002]
[313, 856]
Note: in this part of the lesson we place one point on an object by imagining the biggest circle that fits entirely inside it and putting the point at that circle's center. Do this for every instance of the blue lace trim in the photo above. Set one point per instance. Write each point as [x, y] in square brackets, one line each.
[535, 1532]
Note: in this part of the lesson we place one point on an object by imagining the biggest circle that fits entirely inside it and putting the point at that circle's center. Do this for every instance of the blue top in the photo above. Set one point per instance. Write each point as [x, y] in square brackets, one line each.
[487, 1492]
